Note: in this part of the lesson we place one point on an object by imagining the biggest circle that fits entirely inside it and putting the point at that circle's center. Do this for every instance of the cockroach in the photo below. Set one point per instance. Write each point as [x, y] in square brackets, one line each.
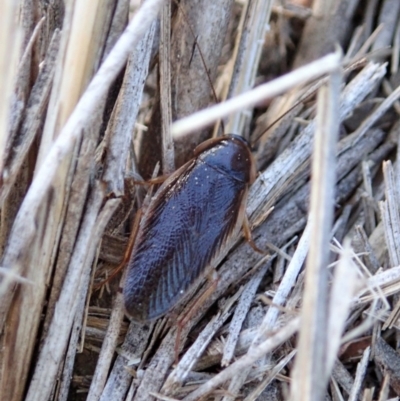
[189, 218]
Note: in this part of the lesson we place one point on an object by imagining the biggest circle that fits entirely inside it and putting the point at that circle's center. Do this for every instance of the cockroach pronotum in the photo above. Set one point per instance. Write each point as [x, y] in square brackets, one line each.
[191, 215]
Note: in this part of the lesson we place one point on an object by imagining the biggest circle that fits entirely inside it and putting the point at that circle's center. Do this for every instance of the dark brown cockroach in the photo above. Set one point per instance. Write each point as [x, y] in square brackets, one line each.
[191, 215]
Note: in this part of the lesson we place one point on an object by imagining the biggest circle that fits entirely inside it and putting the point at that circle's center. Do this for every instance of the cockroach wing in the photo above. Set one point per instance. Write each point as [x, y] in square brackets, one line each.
[186, 222]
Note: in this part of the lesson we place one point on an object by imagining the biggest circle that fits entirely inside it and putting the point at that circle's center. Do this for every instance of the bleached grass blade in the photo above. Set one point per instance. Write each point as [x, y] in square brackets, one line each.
[168, 153]
[309, 375]
[287, 282]
[36, 105]
[121, 125]
[377, 114]
[343, 286]
[241, 310]
[361, 370]
[249, 50]
[385, 387]
[10, 37]
[379, 280]
[396, 50]
[342, 376]
[335, 390]
[391, 217]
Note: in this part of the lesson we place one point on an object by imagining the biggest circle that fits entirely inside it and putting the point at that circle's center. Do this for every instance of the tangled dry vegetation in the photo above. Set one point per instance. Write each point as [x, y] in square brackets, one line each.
[87, 100]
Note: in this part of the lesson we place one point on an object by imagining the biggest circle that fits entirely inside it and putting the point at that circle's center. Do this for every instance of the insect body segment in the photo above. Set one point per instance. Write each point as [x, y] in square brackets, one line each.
[187, 221]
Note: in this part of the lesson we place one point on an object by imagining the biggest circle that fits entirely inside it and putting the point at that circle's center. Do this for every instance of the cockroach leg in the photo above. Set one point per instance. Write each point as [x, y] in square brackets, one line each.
[127, 253]
[154, 180]
[151, 181]
[248, 236]
[262, 218]
[182, 322]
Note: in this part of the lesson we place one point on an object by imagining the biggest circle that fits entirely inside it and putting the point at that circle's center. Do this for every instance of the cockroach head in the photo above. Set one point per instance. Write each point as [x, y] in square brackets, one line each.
[229, 154]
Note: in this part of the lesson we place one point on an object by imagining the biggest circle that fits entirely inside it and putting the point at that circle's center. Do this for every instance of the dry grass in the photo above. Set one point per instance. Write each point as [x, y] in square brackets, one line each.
[88, 93]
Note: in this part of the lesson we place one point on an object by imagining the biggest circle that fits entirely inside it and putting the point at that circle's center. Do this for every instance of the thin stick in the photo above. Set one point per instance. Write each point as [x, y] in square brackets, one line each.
[269, 321]
[107, 349]
[265, 347]
[251, 98]
[53, 349]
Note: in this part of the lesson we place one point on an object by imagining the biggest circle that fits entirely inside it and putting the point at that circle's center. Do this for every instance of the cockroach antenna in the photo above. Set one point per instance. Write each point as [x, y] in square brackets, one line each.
[302, 100]
[196, 45]
[360, 63]
[203, 61]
